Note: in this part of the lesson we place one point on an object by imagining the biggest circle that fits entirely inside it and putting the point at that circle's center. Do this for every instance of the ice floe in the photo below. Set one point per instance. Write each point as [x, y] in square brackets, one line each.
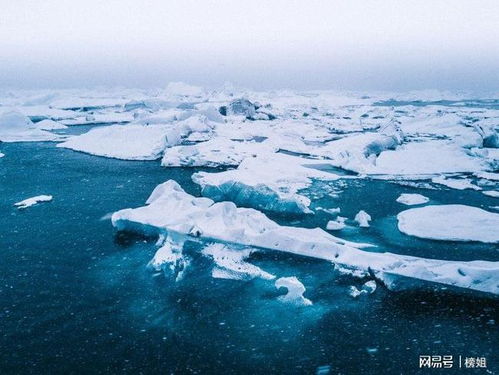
[455, 183]
[32, 201]
[16, 127]
[412, 199]
[171, 212]
[337, 224]
[363, 218]
[295, 291]
[491, 193]
[369, 287]
[453, 222]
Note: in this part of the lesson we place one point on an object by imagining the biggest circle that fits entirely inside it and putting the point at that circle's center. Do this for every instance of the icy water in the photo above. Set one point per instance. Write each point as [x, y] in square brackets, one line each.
[76, 297]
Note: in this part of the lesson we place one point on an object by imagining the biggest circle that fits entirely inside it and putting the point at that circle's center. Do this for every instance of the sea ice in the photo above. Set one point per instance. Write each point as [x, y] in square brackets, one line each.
[337, 224]
[491, 193]
[230, 263]
[363, 219]
[369, 287]
[15, 127]
[50, 125]
[453, 222]
[455, 183]
[170, 210]
[32, 201]
[412, 199]
[295, 291]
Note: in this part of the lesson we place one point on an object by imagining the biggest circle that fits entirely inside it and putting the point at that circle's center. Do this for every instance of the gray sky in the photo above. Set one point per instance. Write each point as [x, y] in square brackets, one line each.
[369, 44]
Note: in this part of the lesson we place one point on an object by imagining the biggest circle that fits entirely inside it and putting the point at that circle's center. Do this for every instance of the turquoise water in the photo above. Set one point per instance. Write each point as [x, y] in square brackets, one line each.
[76, 297]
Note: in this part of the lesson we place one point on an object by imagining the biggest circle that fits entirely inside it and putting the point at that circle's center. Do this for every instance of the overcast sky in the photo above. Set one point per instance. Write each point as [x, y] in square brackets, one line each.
[326, 44]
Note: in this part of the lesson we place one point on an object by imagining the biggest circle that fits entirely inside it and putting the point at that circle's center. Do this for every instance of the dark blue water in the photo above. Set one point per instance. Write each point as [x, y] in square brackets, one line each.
[76, 297]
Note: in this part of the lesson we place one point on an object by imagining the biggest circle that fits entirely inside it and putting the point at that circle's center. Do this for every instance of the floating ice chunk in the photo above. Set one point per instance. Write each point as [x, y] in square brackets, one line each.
[215, 152]
[128, 142]
[172, 211]
[337, 224]
[430, 157]
[2, 155]
[50, 125]
[295, 291]
[134, 141]
[32, 201]
[491, 193]
[363, 219]
[453, 222]
[269, 182]
[170, 259]
[369, 287]
[331, 211]
[231, 264]
[412, 199]
[15, 127]
[454, 183]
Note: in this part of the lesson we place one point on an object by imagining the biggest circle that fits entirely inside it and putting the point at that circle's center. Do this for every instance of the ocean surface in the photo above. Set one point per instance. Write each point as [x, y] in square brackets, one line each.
[77, 297]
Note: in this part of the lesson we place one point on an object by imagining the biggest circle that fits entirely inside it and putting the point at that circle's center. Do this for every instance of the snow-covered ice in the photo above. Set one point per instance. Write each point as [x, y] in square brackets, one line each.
[337, 224]
[412, 199]
[455, 183]
[295, 291]
[363, 218]
[16, 127]
[491, 193]
[453, 222]
[32, 201]
[369, 287]
[171, 211]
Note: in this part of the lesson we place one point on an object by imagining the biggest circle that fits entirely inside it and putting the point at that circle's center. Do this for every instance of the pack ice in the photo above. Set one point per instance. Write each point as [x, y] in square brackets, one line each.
[180, 217]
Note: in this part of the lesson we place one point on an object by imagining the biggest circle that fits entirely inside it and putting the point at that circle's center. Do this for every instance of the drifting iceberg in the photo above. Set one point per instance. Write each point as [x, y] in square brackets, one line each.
[32, 201]
[412, 199]
[369, 287]
[170, 211]
[269, 182]
[363, 219]
[337, 224]
[454, 222]
[135, 142]
[295, 291]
